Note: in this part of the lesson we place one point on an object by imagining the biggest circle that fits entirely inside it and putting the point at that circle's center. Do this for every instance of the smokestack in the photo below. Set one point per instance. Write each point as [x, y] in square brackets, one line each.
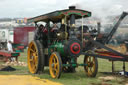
[72, 7]
[72, 20]
[72, 17]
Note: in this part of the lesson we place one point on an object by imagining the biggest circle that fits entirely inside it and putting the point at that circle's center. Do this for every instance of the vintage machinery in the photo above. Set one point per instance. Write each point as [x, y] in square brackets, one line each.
[59, 48]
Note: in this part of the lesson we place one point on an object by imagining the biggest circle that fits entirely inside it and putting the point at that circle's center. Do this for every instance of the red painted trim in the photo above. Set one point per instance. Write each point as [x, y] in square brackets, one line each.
[71, 48]
[111, 56]
[106, 53]
[75, 11]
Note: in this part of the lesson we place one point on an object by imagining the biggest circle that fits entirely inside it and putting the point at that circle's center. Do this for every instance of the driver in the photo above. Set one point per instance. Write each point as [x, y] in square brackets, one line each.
[43, 29]
[54, 28]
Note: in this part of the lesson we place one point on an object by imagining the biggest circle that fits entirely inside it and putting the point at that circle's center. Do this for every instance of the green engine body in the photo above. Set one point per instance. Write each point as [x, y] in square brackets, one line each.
[58, 47]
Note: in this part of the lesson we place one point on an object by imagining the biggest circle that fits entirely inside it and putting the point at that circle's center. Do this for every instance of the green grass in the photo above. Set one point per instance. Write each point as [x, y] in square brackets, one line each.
[77, 78]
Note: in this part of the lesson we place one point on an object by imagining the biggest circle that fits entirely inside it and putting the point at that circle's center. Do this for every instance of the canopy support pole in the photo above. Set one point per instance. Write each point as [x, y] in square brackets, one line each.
[82, 31]
[65, 28]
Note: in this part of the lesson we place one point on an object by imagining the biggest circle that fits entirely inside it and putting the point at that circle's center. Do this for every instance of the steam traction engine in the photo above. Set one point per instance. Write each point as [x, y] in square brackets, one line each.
[59, 47]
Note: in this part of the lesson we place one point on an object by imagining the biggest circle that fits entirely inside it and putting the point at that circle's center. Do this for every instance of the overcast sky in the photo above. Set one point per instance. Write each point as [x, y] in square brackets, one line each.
[31, 8]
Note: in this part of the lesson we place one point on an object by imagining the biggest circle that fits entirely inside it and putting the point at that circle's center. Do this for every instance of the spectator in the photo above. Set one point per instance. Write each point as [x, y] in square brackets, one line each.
[9, 46]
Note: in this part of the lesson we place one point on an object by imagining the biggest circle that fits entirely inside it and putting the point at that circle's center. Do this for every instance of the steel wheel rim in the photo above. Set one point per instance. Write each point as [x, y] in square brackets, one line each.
[54, 65]
[90, 68]
[32, 57]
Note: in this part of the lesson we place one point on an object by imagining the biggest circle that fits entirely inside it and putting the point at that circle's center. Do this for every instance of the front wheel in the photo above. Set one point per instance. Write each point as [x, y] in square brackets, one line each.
[55, 65]
[91, 67]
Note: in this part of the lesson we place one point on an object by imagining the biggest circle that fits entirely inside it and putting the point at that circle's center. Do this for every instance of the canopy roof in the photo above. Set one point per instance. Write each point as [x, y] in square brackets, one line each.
[56, 16]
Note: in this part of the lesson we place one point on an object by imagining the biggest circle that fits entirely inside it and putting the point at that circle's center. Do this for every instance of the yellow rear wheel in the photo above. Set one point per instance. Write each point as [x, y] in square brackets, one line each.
[55, 65]
[92, 65]
[34, 58]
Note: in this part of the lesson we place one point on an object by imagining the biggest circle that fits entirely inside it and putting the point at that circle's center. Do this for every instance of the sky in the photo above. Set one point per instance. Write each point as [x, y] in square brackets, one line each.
[32, 8]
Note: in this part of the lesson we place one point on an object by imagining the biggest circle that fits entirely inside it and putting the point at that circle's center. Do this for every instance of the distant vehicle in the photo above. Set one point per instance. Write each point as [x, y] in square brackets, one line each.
[19, 36]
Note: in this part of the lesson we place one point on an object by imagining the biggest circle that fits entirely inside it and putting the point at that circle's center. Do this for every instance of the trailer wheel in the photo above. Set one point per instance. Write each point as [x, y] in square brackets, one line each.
[92, 66]
[35, 57]
[55, 65]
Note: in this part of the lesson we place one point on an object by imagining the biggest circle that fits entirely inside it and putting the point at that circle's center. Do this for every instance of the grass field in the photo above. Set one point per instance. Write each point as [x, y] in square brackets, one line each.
[77, 78]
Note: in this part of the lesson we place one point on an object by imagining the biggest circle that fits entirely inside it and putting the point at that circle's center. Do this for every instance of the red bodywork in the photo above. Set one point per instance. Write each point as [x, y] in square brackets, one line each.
[21, 35]
[7, 55]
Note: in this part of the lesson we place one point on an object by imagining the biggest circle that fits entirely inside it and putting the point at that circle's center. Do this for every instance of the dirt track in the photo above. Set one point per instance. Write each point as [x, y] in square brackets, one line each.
[24, 80]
